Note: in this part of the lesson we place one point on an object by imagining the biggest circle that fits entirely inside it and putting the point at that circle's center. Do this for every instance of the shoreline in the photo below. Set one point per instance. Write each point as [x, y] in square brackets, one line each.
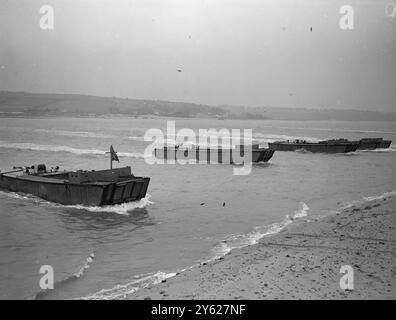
[303, 261]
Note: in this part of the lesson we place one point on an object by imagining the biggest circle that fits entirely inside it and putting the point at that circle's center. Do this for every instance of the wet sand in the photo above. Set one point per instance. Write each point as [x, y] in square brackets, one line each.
[301, 262]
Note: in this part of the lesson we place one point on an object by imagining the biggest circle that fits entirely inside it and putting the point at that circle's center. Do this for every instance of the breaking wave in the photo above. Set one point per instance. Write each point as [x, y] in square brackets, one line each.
[380, 196]
[301, 213]
[55, 148]
[136, 138]
[79, 134]
[86, 266]
[121, 291]
[242, 240]
[366, 199]
[73, 277]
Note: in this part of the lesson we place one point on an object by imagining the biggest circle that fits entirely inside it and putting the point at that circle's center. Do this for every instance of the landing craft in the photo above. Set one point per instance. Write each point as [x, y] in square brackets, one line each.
[373, 143]
[214, 155]
[326, 146]
[91, 188]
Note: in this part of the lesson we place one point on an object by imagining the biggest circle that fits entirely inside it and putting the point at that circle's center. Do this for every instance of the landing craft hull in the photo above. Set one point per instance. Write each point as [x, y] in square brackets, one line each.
[66, 193]
[368, 145]
[373, 143]
[314, 147]
[224, 156]
[385, 144]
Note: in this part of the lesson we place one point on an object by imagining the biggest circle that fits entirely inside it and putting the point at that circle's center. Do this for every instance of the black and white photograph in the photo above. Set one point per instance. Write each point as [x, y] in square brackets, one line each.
[217, 151]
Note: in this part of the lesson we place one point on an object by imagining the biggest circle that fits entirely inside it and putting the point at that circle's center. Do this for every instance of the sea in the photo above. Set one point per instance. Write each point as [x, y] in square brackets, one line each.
[192, 213]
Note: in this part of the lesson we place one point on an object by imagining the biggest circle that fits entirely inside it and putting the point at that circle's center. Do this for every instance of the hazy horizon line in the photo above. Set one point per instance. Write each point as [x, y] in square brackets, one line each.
[198, 103]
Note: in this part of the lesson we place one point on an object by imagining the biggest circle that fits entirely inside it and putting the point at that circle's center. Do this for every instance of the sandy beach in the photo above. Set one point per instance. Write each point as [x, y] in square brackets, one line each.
[301, 262]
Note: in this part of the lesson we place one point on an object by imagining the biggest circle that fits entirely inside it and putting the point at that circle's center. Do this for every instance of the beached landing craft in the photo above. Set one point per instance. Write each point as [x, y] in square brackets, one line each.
[327, 146]
[214, 155]
[91, 188]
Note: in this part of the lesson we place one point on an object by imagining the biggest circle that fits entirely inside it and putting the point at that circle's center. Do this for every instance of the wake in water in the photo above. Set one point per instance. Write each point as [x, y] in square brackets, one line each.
[392, 148]
[243, 240]
[123, 208]
[28, 198]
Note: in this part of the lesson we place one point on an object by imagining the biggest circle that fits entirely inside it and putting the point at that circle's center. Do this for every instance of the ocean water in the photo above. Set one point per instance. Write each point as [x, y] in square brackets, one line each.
[192, 213]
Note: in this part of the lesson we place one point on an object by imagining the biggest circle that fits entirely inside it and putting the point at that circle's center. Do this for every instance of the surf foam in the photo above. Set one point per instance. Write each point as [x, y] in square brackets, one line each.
[79, 134]
[86, 266]
[121, 291]
[123, 208]
[366, 199]
[59, 284]
[392, 148]
[55, 148]
[380, 196]
[242, 240]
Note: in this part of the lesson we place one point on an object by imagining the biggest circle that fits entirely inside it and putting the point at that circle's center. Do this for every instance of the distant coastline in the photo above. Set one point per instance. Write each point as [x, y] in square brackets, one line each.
[22, 104]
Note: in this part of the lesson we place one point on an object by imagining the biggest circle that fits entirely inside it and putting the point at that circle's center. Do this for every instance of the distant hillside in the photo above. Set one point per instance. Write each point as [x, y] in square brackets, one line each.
[81, 105]
[37, 104]
[302, 114]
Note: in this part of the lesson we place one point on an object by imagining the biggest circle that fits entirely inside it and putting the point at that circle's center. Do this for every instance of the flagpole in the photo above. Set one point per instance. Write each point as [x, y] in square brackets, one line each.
[111, 160]
[113, 156]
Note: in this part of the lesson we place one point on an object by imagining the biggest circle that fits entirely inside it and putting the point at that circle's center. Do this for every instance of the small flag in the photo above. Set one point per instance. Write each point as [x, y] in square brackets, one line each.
[113, 154]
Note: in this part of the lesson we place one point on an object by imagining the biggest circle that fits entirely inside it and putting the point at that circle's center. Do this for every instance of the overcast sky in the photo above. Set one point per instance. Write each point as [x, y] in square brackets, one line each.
[240, 52]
